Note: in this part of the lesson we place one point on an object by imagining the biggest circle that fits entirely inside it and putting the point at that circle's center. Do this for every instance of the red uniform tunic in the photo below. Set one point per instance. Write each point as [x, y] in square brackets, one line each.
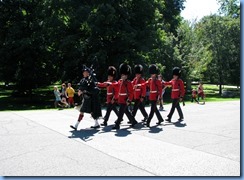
[112, 89]
[139, 88]
[178, 89]
[200, 91]
[155, 87]
[125, 91]
[194, 93]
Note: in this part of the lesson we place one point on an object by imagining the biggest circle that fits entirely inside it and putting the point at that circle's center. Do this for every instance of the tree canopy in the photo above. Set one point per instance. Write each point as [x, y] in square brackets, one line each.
[47, 41]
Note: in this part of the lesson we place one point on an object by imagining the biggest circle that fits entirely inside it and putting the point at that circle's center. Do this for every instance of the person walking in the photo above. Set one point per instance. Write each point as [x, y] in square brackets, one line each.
[155, 94]
[177, 94]
[200, 92]
[125, 96]
[194, 96]
[112, 93]
[90, 101]
[139, 89]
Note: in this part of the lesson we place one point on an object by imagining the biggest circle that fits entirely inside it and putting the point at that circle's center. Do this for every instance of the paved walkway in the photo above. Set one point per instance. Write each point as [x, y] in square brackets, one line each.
[41, 143]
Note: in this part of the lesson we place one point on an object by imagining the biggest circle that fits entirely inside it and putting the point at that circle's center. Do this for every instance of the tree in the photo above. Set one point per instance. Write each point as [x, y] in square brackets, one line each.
[220, 34]
[24, 55]
[210, 49]
[50, 40]
[229, 7]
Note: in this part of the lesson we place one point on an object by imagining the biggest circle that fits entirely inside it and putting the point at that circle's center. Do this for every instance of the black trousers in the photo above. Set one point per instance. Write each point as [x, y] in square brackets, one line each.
[154, 109]
[139, 105]
[194, 99]
[175, 104]
[123, 109]
[110, 107]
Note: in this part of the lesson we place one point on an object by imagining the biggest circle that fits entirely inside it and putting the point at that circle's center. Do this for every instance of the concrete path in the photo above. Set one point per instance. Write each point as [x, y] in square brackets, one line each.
[41, 143]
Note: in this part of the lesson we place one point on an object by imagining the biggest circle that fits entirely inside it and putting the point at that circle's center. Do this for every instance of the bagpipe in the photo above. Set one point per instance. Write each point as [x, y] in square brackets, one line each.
[92, 74]
[91, 81]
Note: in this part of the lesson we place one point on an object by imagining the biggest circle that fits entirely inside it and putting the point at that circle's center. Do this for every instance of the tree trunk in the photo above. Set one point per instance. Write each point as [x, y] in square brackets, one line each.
[220, 89]
[220, 84]
[188, 84]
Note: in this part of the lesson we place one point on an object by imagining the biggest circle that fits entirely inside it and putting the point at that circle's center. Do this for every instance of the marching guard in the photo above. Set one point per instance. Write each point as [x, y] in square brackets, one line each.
[90, 101]
[125, 96]
[112, 93]
[155, 87]
[139, 92]
[177, 93]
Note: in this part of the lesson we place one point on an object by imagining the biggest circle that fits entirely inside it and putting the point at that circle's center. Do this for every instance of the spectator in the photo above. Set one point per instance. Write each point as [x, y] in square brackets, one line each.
[194, 95]
[63, 94]
[70, 93]
[200, 92]
[57, 95]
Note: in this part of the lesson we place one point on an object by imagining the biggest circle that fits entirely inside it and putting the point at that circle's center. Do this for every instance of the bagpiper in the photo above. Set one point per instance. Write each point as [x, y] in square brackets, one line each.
[155, 93]
[125, 96]
[139, 92]
[90, 98]
[112, 92]
[177, 93]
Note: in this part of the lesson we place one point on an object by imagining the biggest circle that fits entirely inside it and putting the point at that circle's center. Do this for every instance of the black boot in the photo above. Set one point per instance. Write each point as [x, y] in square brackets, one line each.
[148, 123]
[95, 127]
[181, 119]
[159, 122]
[117, 120]
[73, 127]
[145, 119]
[116, 126]
[169, 119]
[104, 123]
[134, 123]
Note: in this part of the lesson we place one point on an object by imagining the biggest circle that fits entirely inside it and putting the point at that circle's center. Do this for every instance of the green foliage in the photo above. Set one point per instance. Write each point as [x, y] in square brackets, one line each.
[47, 41]
[210, 49]
[24, 57]
[221, 36]
[50, 40]
[229, 8]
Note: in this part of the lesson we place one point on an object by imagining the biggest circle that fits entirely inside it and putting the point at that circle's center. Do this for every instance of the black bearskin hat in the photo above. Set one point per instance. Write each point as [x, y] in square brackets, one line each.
[153, 69]
[124, 69]
[112, 71]
[85, 68]
[138, 69]
[177, 71]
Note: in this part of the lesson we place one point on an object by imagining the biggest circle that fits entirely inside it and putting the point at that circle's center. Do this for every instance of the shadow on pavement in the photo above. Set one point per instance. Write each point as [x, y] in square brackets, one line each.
[155, 129]
[180, 124]
[176, 124]
[84, 134]
[122, 132]
[152, 129]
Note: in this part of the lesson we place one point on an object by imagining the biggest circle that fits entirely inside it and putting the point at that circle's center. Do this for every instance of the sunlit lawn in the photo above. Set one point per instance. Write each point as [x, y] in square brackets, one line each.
[43, 98]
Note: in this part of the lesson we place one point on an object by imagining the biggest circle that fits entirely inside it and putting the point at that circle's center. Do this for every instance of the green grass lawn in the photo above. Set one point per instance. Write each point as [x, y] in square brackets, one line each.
[212, 93]
[43, 98]
[217, 99]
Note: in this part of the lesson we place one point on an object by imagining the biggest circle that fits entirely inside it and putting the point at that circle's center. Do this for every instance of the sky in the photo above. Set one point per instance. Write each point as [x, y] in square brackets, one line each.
[196, 9]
